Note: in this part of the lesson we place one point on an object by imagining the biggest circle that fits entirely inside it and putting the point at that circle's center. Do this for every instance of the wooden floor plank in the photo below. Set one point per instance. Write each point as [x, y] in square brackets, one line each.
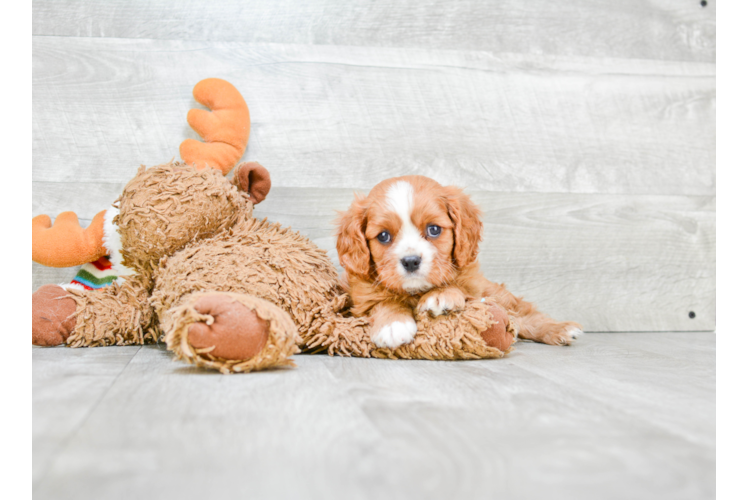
[614, 367]
[41, 275]
[732, 403]
[659, 29]
[329, 116]
[67, 387]
[538, 423]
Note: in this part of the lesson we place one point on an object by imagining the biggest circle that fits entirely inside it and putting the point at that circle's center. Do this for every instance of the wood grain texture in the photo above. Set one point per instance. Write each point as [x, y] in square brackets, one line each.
[732, 403]
[612, 263]
[41, 275]
[641, 29]
[329, 116]
[65, 394]
[730, 214]
[532, 425]
[729, 153]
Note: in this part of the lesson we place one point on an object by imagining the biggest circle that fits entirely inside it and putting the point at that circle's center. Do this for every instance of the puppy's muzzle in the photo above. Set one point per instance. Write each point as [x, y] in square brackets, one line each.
[411, 263]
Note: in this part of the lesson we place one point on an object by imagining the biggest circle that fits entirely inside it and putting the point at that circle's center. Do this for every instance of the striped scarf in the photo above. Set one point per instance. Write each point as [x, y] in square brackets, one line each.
[95, 275]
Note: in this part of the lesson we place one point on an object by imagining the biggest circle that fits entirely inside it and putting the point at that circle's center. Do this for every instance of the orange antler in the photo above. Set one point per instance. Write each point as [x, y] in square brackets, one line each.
[66, 243]
[225, 128]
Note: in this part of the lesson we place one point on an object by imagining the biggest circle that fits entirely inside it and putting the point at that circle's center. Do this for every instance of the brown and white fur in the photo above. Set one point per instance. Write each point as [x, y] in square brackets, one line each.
[398, 264]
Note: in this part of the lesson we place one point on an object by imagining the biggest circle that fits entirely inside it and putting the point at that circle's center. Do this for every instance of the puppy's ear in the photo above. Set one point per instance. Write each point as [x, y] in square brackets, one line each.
[353, 250]
[468, 230]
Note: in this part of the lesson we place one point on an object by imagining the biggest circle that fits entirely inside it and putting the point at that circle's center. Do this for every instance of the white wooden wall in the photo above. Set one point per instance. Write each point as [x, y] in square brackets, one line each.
[584, 128]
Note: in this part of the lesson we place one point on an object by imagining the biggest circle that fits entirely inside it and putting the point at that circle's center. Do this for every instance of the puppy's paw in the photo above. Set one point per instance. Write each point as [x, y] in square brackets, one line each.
[565, 335]
[395, 334]
[442, 301]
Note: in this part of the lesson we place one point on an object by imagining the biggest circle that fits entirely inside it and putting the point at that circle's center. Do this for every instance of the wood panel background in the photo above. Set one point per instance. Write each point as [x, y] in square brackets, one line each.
[585, 129]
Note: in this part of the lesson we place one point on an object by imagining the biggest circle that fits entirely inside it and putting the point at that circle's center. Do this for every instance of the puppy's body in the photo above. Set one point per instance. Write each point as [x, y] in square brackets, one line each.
[411, 245]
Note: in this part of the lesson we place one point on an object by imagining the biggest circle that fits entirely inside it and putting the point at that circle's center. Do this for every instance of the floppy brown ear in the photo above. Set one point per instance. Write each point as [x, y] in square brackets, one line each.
[353, 250]
[468, 230]
[251, 177]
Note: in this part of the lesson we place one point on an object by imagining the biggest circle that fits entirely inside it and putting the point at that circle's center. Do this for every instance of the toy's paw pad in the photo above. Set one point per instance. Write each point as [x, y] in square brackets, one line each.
[498, 334]
[395, 334]
[231, 331]
[52, 316]
[442, 302]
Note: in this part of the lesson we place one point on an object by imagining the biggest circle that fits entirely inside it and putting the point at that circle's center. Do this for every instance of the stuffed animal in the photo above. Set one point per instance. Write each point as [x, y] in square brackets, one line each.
[223, 290]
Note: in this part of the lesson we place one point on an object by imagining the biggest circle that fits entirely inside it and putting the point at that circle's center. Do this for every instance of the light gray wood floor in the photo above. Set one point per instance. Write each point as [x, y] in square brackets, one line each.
[614, 416]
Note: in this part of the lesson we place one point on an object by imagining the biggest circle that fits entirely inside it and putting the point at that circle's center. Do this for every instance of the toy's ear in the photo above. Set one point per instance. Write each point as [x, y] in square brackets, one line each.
[251, 177]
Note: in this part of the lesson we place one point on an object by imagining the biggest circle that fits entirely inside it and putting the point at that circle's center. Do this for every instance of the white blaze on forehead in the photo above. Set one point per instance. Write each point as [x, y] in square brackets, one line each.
[400, 199]
[409, 240]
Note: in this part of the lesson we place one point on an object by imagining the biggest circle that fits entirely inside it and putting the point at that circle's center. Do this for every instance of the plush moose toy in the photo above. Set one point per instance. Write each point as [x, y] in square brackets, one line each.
[224, 290]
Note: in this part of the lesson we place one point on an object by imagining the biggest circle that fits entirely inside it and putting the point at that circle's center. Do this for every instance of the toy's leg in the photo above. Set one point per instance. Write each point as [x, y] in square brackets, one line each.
[230, 332]
[479, 331]
[52, 316]
[115, 315]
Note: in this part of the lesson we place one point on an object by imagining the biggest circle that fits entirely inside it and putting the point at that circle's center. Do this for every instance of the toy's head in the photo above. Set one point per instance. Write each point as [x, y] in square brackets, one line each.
[165, 207]
[160, 210]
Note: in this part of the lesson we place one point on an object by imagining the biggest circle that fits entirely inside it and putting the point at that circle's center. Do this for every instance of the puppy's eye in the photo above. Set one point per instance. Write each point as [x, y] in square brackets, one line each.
[384, 237]
[433, 231]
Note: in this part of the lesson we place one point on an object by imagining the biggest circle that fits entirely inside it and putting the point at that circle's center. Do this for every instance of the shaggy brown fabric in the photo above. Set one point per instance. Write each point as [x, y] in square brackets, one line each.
[256, 258]
[451, 337]
[115, 315]
[231, 330]
[165, 207]
[52, 316]
[281, 343]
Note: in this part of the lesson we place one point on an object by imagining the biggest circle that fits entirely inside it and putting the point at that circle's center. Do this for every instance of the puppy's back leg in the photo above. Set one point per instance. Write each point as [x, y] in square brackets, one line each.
[531, 323]
[541, 328]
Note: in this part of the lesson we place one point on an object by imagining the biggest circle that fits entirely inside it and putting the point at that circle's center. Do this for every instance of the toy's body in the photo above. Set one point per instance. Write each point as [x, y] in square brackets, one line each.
[225, 290]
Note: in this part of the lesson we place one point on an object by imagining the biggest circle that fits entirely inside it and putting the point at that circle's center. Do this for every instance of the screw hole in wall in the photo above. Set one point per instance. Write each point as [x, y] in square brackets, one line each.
[703, 3]
[691, 314]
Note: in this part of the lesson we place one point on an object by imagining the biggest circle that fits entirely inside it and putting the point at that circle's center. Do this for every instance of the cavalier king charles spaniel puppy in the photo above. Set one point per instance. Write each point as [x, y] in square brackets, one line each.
[410, 246]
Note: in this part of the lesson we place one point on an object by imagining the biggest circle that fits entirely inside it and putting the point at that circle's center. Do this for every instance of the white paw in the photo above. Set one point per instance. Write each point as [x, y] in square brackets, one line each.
[439, 304]
[395, 334]
[574, 332]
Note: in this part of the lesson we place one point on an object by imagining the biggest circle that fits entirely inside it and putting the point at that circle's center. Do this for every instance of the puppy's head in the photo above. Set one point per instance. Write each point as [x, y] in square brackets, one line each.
[409, 234]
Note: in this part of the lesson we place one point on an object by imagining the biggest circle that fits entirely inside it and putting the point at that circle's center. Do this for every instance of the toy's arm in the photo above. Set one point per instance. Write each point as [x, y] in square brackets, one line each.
[225, 129]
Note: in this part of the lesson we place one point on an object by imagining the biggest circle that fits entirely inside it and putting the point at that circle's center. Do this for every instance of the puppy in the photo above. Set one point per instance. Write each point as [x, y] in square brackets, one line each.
[411, 246]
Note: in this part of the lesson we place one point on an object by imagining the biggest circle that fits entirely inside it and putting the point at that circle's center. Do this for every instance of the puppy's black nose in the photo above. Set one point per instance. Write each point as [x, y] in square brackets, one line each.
[411, 263]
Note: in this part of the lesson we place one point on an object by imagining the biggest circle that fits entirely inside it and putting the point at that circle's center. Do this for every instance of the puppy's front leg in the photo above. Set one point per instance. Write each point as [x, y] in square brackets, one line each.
[442, 301]
[392, 325]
